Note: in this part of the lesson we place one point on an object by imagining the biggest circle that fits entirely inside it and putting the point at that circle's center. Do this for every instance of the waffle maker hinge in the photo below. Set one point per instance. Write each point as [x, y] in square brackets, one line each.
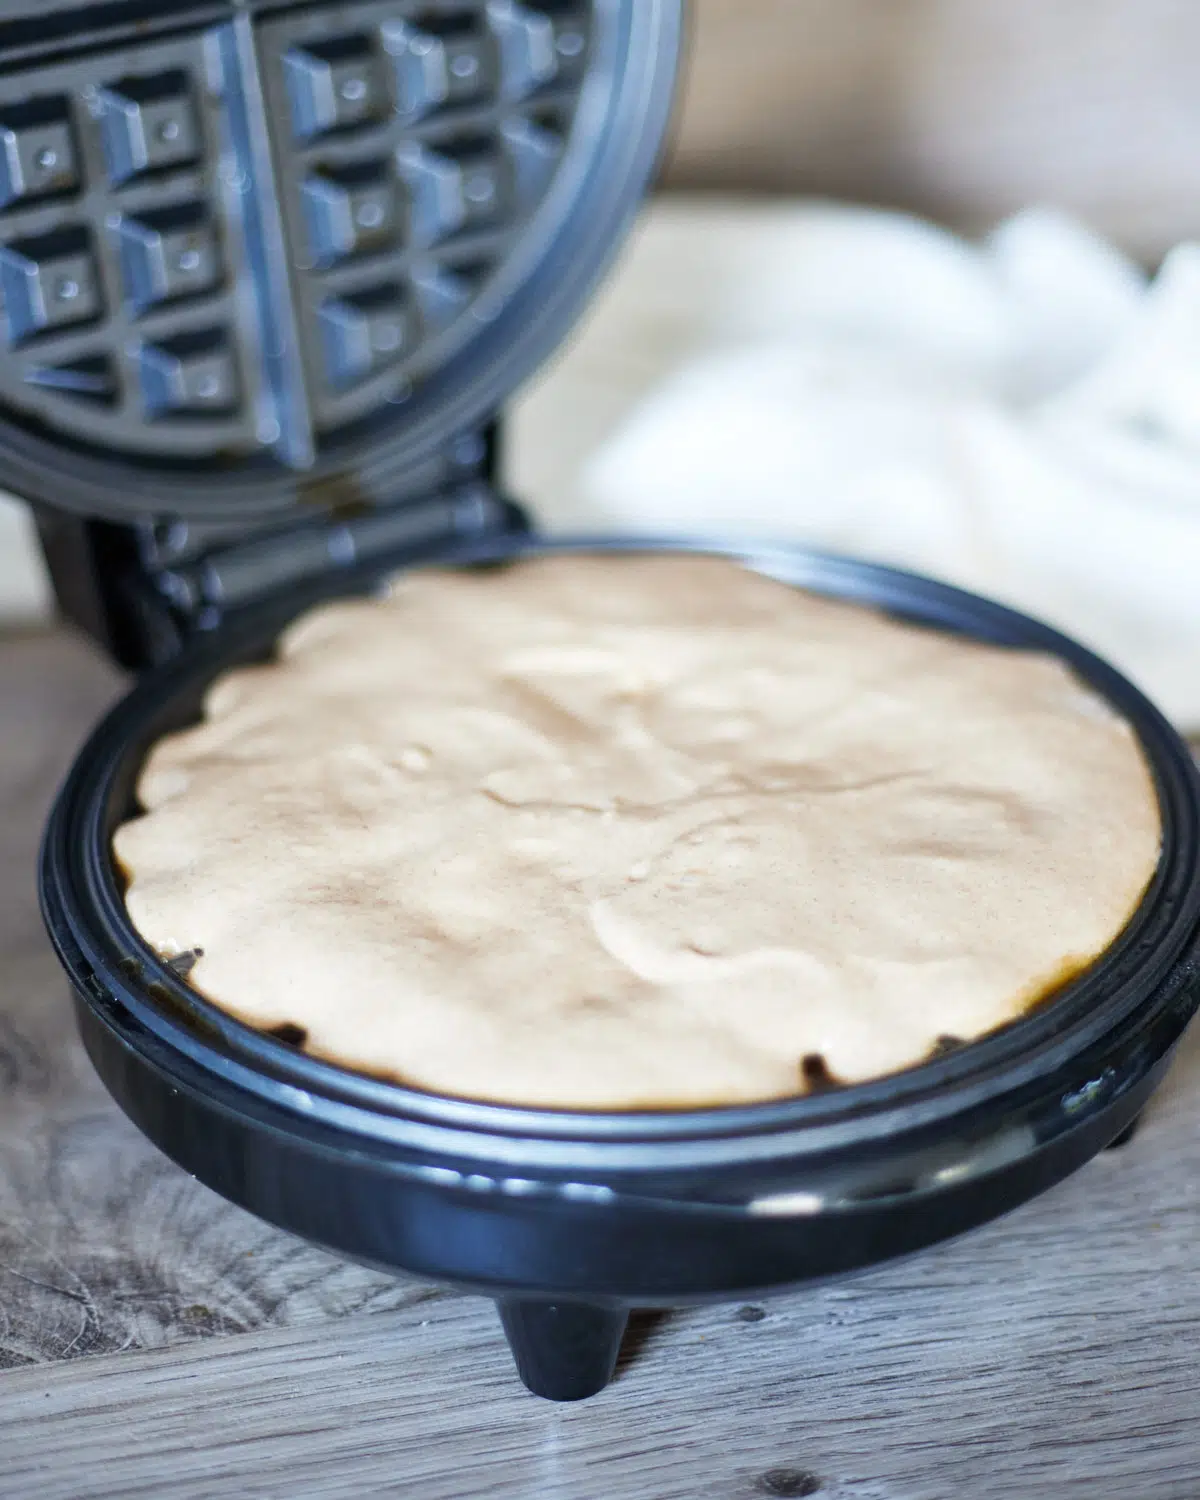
[143, 589]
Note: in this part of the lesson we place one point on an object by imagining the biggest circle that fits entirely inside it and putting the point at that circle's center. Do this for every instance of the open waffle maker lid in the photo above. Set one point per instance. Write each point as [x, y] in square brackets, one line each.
[262, 263]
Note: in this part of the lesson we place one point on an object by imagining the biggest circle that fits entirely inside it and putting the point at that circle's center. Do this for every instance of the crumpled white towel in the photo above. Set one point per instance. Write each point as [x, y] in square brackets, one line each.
[1021, 417]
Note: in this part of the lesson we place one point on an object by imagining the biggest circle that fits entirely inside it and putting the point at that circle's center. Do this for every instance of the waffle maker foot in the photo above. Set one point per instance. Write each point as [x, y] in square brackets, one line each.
[1126, 1135]
[564, 1351]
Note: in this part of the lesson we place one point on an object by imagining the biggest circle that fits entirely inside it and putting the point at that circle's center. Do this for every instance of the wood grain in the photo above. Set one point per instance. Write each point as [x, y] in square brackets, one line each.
[104, 1245]
[1051, 1354]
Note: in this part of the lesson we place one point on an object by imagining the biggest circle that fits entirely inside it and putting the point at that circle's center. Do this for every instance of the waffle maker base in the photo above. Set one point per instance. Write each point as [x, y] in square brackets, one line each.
[568, 1220]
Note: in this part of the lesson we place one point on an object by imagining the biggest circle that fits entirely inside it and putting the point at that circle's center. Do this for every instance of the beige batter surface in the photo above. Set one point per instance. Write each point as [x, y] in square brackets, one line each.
[636, 832]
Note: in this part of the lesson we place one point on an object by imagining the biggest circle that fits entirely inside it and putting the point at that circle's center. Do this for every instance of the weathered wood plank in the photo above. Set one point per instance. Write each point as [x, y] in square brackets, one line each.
[1051, 1354]
[104, 1244]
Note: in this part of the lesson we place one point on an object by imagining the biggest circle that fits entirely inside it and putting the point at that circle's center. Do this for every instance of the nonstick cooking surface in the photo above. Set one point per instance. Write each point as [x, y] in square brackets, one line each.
[180, 217]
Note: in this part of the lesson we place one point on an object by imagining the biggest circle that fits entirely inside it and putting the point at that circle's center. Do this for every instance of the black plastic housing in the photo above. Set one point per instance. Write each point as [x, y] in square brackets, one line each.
[552, 1210]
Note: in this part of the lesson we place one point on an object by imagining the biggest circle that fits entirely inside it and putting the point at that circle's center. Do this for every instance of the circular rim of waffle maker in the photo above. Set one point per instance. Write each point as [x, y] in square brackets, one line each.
[623, 1209]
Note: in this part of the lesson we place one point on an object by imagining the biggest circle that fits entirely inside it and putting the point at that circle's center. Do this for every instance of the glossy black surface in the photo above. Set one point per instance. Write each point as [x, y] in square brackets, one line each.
[565, 1351]
[540, 1207]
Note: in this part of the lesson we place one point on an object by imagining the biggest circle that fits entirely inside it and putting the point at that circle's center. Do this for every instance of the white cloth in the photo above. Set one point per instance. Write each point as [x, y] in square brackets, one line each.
[1021, 417]
[24, 585]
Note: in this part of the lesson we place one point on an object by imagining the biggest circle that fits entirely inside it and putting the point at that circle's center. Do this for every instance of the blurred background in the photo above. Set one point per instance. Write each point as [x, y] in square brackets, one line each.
[1017, 411]
[918, 285]
[964, 110]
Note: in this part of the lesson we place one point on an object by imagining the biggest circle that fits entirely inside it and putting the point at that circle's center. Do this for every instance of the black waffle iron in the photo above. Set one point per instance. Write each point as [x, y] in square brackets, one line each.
[268, 272]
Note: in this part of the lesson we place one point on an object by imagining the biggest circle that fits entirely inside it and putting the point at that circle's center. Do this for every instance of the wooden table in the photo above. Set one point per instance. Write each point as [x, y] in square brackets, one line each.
[156, 1342]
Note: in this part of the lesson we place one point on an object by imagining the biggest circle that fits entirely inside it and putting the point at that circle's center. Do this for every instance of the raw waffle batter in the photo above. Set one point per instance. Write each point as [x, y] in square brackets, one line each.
[636, 831]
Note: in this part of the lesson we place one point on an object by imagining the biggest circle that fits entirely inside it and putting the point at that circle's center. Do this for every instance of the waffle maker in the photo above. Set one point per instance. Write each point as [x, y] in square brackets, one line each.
[268, 273]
